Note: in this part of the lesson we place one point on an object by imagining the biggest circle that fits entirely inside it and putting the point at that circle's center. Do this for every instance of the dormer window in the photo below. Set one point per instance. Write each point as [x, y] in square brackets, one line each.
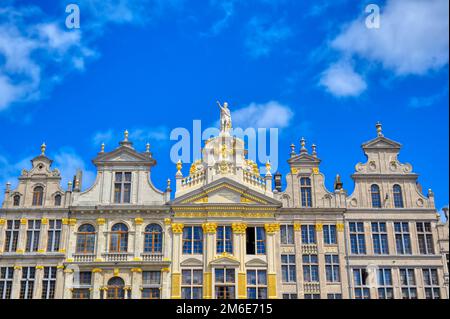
[38, 196]
[122, 188]
[376, 197]
[306, 192]
[16, 200]
[58, 200]
[398, 197]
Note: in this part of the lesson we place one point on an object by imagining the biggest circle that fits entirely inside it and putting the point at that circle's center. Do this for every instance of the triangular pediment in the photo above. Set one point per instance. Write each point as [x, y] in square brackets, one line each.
[225, 260]
[124, 154]
[304, 158]
[382, 142]
[191, 262]
[225, 191]
[256, 263]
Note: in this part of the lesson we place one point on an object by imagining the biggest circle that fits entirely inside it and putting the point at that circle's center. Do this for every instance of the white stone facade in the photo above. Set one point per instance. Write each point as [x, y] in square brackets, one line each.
[227, 231]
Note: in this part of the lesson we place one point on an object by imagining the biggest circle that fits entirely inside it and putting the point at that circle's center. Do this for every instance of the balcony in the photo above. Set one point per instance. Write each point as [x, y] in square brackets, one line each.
[152, 257]
[84, 258]
[114, 257]
[311, 287]
[309, 249]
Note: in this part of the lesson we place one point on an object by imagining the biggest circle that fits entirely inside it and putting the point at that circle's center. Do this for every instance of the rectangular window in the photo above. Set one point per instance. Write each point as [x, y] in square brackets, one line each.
[287, 234]
[332, 268]
[408, 283]
[431, 283]
[122, 188]
[225, 283]
[256, 284]
[33, 233]
[312, 296]
[192, 240]
[308, 234]
[82, 285]
[49, 283]
[425, 237]
[12, 235]
[306, 192]
[357, 238]
[361, 289]
[290, 296]
[402, 238]
[256, 241]
[224, 239]
[27, 282]
[334, 296]
[385, 287]
[288, 268]
[81, 293]
[6, 282]
[380, 240]
[54, 235]
[310, 268]
[151, 285]
[191, 284]
[329, 234]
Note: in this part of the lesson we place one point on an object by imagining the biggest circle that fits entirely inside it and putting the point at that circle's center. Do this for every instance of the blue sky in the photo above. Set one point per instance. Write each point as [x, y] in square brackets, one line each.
[309, 68]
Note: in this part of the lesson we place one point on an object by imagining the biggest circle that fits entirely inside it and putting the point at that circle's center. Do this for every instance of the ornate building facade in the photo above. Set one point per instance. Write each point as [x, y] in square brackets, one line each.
[229, 231]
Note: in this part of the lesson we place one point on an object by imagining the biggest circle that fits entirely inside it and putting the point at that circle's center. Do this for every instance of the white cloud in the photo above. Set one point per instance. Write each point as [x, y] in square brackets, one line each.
[268, 115]
[68, 162]
[341, 80]
[102, 137]
[426, 101]
[413, 37]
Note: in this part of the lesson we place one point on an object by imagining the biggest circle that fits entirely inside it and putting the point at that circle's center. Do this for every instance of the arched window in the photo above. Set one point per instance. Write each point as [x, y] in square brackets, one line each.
[86, 239]
[153, 239]
[38, 196]
[398, 197]
[376, 197]
[119, 238]
[58, 200]
[16, 200]
[116, 287]
[305, 192]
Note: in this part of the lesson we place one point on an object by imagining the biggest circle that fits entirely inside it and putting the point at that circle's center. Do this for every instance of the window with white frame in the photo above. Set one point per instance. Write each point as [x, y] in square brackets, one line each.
[49, 283]
[431, 283]
[192, 240]
[54, 235]
[6, 282]
[310, 268]
[192, 284]
[33, 233]
[290, 296]
[306, 192]
[334, 296]
[255, 241]
[287, 234]
[256, 284]
[288, 268]
[329, 234]
[225, 283]
[27, 282]
[122, 188]
[312, 296]
[357, 238]
[332, 268]
[224, 240]
[360, 288]
[308, 234]
[151, 285]
[385, 286]
[83, 284]
[380, 239]
[425, 238]
[402, 238]
[408, 283]
[12, 235]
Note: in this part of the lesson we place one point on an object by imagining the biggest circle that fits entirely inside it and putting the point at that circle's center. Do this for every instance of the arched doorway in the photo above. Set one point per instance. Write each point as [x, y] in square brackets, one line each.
[116, 288]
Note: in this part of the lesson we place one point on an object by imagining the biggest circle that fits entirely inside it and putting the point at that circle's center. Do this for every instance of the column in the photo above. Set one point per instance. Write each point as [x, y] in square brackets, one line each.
[97, 283]
[177, 231]
[342, 241]
[59, 289]
[239, 230]
[64, 245]
[21, 244]
[68, 283]
[136, 283]
[44, 236]
[413, 235]
[101, 239]
[39, 276]
[167, 240]
[298, 258]
[391, 238]
[271, 230]
[138, 240]
[209, 230]
[15, 294]
[165, 283]
[2, 234]
[321, 260]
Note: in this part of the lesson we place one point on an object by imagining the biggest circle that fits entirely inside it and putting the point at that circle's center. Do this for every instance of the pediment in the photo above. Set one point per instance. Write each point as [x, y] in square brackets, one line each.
[382, 142]
[191, 262]
[256, 263]
[124, 154]
[304, 158]
[225, 260]
[225, 191]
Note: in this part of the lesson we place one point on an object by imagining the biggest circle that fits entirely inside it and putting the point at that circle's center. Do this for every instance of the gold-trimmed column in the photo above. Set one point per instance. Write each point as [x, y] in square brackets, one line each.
[2, 233]
[59, 289]
[68, 283]
[239, 230]
[177, 231]
[15, 293]
[271, 230]
[39, 276]
[136, 283]
[101, 241]
[138, 240]
[97, 283]
[209, 230]
[43, 239]
[21, 244]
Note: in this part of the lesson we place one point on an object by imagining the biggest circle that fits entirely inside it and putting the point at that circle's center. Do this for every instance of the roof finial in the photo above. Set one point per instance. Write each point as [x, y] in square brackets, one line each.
[314, 150]
[292, 149]
[102, 150]
[8, 186]
[126, 135]
[303, 144]
[268, 168]
[147, 147]
[379, 129]
[168, 184]
[43, 148]
[179, 166]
